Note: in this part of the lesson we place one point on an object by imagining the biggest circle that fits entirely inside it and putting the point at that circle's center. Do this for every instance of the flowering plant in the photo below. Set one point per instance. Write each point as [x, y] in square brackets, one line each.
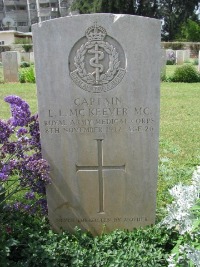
[170, 57]
[184, 216]
[22, 168]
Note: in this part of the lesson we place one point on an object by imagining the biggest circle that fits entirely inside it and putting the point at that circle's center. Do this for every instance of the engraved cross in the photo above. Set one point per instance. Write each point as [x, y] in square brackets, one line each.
[100, 168]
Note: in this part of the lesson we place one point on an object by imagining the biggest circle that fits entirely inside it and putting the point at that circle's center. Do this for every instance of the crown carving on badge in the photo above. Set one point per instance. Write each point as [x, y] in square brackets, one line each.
[95, 33]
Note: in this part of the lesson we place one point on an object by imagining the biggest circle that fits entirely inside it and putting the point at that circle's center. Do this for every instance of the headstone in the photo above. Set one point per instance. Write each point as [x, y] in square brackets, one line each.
[179, 57]
[98, 95]
[170, 57]
[163, 64]
[199, 62]
[186, 55]
[25, 56]
[11, 61]
[32, 57]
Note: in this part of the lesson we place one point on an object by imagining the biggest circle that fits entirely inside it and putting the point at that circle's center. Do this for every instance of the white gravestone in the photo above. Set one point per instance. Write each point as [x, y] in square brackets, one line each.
[186, 55]
[179, 57]
[31, 57]
[163, 64]
[25, 56]
[11, 61]
[98, 94]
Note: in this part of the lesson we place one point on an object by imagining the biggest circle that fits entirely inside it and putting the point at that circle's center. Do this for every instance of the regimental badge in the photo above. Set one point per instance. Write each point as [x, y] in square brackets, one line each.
[97, 61]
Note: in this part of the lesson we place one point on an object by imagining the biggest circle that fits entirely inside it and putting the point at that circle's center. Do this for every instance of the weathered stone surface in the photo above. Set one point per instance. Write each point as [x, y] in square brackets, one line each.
[186, 55]
[31, 57]
[163, 63]
[179, 57]
[11, 61]
[98, 92]
[27, 56]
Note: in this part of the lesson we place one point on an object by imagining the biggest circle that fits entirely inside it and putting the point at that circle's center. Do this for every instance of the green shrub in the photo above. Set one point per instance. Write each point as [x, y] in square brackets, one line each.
[190, 31]
[36, 245]
[23, 41]
[196, 62]
[27, 47]
[27, 75]
[170, 62]
[27, 240]
[186, 74]
[24, 64]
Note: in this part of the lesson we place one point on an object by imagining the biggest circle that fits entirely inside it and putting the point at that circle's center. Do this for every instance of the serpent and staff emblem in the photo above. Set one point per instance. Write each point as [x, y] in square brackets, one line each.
[94, 62]
[98, 65]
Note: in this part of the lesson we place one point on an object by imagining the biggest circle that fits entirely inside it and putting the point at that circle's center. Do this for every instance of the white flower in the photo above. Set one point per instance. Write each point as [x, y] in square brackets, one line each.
[171, 260]
[192, 254]
[179, 211]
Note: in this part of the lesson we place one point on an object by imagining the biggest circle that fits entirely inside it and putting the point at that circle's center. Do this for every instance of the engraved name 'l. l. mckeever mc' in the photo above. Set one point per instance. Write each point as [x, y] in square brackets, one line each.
[97, 61]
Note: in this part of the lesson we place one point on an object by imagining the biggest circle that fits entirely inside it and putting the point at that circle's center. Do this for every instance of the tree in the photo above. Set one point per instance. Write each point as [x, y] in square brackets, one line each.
[87, 6]
[135, 7]
[173, 13]
[190, 31]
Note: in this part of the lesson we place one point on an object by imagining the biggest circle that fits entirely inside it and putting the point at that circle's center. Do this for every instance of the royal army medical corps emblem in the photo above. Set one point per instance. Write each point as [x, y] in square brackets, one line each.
[97, 61]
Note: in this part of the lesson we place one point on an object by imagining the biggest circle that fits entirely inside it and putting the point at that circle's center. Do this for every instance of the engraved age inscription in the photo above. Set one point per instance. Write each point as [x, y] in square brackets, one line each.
[97, 61]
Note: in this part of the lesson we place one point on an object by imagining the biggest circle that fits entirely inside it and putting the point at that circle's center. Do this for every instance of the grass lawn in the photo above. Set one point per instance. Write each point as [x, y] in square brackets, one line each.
[1, 73]
[24, 90]
[179, 122]
[29, 241]
[179, 129]
[179, 136]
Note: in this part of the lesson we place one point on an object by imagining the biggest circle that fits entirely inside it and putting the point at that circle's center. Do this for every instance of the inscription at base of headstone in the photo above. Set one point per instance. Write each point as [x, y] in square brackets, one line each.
[98, 94]
[10, 62]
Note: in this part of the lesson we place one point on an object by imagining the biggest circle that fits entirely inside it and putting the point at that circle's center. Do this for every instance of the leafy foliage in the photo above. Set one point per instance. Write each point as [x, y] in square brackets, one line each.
[27, 47]
[165, 243]
[190, 31]
[23, 41]
[186, 73]
[22, 168]
[27, 75]
[147, 8]
[173, 13]
[24, 64]
[26, 239]
[38, 246]
[184, 215]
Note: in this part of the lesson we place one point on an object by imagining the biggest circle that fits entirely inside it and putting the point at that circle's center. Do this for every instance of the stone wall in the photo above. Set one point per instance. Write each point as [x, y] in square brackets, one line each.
[194, 47]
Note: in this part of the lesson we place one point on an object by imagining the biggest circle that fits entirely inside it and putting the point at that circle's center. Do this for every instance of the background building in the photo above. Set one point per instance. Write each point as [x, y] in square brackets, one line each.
[19, 15]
